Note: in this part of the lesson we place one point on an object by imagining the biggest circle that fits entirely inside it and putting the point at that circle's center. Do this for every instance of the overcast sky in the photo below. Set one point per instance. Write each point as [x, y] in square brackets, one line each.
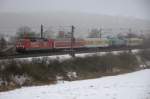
[133, 8]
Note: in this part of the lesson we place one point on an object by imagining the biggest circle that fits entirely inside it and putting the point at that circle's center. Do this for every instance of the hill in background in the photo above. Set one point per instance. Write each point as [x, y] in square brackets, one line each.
[10, 22]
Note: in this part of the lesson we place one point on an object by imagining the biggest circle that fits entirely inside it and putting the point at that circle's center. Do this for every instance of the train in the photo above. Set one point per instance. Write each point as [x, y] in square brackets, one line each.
[45, 44]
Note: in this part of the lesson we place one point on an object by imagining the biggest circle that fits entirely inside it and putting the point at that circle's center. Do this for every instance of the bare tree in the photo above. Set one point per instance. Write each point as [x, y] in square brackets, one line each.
[95, 33]
[131, 35]
[25, 31]
[2, 43]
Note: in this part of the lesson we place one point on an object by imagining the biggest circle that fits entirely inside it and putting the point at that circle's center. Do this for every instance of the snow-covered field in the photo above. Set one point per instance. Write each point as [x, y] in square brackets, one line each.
[127, 86]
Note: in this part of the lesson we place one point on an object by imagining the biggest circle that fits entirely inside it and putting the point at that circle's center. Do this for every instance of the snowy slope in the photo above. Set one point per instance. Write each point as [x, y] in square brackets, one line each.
[128, 86]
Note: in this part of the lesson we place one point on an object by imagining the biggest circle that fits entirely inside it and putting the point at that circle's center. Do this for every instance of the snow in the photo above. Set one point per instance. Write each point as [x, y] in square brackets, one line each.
[72, 75]
[20, 79]
[127, 86]
[67, 56]
[54, 57]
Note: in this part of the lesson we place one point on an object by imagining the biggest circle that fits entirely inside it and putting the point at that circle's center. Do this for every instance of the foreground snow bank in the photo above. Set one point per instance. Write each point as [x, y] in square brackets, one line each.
[128, 86]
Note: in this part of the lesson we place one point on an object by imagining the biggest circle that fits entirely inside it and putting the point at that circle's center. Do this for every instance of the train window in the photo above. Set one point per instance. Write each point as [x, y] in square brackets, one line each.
[21, 40]
[45, 39]
[33, 40]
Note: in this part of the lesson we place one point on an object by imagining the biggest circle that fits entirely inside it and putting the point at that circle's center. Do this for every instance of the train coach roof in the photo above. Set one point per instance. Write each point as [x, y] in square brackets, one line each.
[37, 38]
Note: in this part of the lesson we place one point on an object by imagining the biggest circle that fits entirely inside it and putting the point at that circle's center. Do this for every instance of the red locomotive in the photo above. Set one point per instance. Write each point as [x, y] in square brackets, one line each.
[33, 44]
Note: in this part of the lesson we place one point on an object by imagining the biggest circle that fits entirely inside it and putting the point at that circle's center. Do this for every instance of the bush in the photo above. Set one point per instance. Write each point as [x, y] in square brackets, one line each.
[145, 54]
[45, 70]
[128, 61]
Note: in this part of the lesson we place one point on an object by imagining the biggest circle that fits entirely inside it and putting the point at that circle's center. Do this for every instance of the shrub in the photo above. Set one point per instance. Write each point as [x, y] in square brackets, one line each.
[128, 61]
[145, 54]
[45, 70]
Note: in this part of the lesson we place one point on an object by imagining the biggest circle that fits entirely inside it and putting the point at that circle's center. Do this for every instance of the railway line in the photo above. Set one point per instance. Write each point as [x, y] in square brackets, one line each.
[71, 52]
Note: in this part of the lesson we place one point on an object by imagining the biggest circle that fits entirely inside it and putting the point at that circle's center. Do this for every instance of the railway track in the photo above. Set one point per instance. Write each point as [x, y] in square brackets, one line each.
[91, 50]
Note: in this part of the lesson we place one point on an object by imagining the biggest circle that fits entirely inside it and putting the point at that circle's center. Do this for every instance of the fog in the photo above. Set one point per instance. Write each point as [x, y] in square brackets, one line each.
[132, 8]
[84, 14]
